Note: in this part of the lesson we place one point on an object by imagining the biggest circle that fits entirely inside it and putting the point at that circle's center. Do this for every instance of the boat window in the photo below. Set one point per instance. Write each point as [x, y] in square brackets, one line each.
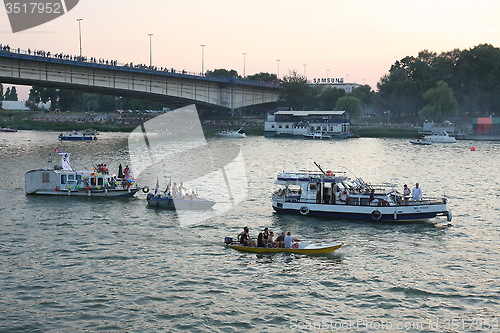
[78, 177]
[100, 181]
[63, 179]
[45, 177]
[71, 177]
[312, 187]
[92, 181]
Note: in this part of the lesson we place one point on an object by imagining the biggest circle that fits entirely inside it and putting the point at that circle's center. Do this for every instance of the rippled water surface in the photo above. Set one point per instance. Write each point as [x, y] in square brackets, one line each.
[76, 264]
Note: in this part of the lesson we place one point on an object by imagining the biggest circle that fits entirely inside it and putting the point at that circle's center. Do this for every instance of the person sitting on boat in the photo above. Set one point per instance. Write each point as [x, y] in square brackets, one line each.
[289, 240]
[265, 234]
[244, 238]
[280, 240]
[416, 193]
[372, 195]
[260, 240]
[270, 241]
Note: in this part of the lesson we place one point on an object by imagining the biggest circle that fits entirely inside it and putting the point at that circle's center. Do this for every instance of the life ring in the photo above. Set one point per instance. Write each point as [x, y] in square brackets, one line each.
[145, 189]
[304, 210]
[343, 196]
[329, 173]
[376, 215]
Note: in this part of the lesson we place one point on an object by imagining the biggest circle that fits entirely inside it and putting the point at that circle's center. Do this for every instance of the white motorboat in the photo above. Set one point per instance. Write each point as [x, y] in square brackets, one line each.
[442, 137]
[65, 180]
[232, 134]
[334, 195]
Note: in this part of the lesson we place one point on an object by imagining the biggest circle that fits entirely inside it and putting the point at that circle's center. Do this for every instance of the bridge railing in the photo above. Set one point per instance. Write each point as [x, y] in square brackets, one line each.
[42, 55]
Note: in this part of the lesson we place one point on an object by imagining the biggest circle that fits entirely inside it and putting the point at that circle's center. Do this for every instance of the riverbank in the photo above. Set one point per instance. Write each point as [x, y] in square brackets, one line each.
[111, 122]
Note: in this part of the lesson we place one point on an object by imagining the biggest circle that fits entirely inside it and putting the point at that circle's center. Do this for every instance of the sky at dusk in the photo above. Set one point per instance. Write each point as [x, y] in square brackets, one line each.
[355, 40]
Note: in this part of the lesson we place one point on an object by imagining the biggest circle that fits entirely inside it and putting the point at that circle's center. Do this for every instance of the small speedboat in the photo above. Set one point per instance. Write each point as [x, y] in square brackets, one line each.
[442, 137]
[167, 201]
[421, 142]
[298, 248]
[232, 134]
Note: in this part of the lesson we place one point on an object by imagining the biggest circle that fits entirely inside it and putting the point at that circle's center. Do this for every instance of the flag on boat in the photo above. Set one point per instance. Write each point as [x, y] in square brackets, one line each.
[65, 161]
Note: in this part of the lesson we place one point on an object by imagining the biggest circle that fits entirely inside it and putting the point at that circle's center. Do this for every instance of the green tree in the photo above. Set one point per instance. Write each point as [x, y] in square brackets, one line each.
[350, 104]
[296, 92]
[265, 77]
[222, 72]
[441, 103]
[327, 97]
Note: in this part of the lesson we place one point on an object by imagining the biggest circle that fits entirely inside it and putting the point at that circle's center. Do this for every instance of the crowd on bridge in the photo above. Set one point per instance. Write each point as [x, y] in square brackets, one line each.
[100, 61]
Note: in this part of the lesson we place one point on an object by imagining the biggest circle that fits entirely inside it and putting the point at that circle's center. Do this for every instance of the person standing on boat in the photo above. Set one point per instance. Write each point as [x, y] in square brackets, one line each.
[416, 193]
[406, 193]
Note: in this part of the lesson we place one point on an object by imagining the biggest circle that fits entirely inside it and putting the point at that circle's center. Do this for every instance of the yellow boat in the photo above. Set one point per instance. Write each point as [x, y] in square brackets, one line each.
[300, 248]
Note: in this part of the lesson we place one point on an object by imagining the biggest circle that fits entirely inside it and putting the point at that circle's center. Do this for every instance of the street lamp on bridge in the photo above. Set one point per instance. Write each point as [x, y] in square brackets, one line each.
[150, 51]
[278, 74]
[202, 59]
[80, 34]
[244, 56]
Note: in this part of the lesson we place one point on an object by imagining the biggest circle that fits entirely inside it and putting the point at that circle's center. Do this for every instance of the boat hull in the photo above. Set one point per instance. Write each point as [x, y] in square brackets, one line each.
[311, 249]
[178, 204]
[368, 213]
[90, 193]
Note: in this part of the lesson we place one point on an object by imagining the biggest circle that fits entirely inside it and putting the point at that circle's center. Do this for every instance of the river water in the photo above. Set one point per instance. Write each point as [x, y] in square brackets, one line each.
[88, 264]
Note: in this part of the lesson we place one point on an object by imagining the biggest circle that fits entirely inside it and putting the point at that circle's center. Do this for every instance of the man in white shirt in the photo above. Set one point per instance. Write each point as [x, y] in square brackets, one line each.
[289, 240]
[416, 193]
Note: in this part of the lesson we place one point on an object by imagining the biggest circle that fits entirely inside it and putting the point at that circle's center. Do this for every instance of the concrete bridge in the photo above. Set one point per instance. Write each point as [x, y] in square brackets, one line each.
[167, 86]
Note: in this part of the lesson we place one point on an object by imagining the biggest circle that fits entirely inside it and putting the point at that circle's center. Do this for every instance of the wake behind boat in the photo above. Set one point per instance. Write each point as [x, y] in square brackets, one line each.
[324, 194]
[65, 180]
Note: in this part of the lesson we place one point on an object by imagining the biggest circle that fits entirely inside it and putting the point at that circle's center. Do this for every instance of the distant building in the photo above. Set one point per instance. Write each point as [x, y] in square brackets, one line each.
[334, 82]
[300, 123]
[15, 105]
[486, 126]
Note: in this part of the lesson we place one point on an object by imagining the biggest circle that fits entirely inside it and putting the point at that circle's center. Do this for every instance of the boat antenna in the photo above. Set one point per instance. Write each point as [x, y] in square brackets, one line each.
[319, 167]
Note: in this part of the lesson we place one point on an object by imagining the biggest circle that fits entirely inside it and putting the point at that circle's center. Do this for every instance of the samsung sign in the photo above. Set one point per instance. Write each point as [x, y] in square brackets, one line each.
[327, 80]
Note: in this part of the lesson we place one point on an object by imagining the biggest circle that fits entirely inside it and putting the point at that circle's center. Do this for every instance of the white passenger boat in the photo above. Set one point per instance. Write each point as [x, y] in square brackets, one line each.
[64, 180]
[232, 134]
[442, 137]
[334, 195]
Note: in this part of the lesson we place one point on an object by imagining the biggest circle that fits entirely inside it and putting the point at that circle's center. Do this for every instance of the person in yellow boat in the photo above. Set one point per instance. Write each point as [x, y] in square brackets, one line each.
[289, 239]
